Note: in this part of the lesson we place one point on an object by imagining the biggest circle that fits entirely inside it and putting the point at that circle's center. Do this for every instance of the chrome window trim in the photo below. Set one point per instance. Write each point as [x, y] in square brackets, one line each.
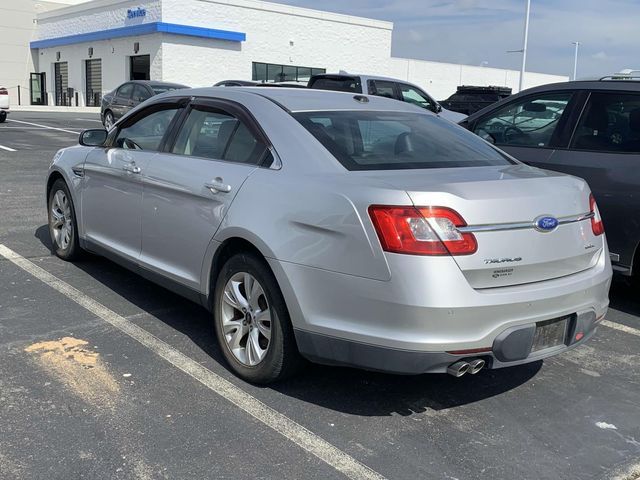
[522, 225]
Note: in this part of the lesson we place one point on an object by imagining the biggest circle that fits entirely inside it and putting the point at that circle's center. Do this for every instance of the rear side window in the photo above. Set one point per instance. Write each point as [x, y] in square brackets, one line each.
[218, 135]
[125, 90]
[392, 141]
[610, 122]
[140, 94]
[527, 122]
[382, 88]
[337, 84]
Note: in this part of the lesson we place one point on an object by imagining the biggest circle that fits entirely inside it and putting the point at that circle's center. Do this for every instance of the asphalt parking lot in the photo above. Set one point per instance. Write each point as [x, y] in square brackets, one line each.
[106, 375]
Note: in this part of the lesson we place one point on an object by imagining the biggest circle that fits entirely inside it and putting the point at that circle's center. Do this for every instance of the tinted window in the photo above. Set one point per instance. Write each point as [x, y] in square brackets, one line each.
[125, 90]
[382, 88]
[147, 132]
[217, 135]
[413, 95]
[529, 121]
[610, 122]
[140, 94]
[337, 84]
[391, 141]
[158, 89]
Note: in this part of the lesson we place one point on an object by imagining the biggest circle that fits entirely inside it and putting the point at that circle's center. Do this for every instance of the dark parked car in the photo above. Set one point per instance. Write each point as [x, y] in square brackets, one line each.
[590, 129]
[251, 83]
[469, 99]
[129, 95]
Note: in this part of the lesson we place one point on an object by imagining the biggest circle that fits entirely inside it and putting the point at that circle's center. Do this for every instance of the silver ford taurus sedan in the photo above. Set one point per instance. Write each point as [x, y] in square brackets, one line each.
[344, 229]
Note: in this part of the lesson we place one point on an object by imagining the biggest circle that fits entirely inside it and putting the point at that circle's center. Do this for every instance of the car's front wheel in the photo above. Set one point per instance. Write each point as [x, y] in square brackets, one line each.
[108, 120]
[62, 222]
[252, 322]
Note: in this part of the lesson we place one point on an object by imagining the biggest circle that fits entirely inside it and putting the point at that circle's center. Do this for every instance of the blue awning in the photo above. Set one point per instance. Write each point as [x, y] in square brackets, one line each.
[142, 29]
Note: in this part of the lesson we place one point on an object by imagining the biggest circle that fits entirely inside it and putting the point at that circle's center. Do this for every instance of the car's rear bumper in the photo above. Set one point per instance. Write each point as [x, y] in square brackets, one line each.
[408, 324]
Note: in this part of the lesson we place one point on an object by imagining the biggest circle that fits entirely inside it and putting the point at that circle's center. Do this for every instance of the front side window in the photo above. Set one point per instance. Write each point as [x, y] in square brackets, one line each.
[218, 135]
[125, 90]
[146, 133]
[528, 122]
[382, 88]
[413, 95]
[366, 140]
[610, 122]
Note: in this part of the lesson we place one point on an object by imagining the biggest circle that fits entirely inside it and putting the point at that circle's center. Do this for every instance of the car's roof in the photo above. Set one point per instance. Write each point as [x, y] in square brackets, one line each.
[156, 83]
[302, 99]
[590, 85]
[362, 76]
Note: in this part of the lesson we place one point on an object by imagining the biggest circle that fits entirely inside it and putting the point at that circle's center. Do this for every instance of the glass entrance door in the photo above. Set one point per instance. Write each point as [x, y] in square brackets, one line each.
[38, 88]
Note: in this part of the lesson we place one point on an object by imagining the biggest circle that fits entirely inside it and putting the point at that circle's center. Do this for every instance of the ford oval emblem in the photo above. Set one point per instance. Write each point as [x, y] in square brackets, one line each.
[546, 223]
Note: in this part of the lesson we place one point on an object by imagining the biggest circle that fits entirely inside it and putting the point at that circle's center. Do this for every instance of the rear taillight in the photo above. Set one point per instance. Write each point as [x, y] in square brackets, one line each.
[3, 91]
[596, 219]
[421, 230]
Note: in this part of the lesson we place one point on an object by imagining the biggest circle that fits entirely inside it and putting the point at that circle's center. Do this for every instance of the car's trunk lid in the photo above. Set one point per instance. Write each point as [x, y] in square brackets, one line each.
[500, 206]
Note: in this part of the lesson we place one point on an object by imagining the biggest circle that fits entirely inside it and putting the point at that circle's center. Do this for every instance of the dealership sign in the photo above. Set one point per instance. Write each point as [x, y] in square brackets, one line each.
[137, 13]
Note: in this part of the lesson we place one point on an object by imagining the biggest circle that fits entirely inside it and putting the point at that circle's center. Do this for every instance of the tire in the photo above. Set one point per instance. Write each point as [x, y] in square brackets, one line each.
[63, 227]
[108, 120]
[235, 328]
[3, 116]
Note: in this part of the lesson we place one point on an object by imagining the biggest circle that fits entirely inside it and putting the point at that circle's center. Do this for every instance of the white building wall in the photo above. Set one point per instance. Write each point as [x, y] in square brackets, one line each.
[441, 79]
[115, 62]
[275, 34]
[17, 29]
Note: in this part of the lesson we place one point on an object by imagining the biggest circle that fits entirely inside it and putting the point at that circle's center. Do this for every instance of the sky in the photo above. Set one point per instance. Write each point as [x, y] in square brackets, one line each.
[477, 31]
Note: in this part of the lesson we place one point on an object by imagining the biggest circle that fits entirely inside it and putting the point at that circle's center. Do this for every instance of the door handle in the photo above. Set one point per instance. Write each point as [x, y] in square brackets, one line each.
[218, 186]
[131, 168]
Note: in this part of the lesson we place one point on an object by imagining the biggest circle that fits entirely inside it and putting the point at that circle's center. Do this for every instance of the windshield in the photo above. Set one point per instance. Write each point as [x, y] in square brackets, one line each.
[158, 89]
[337, 84]
[398, 140]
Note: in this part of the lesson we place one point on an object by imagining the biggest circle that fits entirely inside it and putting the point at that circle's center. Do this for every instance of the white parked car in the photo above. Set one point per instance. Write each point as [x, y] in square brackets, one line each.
[4, 104]
[382, 87]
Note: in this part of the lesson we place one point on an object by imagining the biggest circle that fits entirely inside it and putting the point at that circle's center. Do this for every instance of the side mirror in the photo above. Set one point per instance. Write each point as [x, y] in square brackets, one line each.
[438, 108]
[486, 136]
[94, 137]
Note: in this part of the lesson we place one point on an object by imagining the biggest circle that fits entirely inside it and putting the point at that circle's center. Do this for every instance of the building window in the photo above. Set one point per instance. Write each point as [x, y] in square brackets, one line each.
[271, 72]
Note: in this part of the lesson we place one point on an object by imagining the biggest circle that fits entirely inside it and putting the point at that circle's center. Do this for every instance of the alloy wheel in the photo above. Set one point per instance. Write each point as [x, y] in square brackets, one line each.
[246, 319]
[61, 221]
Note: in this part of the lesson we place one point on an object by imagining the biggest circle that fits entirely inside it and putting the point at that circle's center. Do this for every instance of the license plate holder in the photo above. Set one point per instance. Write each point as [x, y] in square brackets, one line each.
[550, 333]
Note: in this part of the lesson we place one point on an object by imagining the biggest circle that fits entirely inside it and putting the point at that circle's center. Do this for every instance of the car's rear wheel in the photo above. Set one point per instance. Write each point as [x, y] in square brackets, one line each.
[3, 116]
[108, 119]
[62, 222]
[252, 322]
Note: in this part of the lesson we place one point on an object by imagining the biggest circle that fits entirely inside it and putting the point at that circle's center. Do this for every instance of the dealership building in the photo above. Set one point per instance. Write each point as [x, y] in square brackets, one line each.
[81, 51]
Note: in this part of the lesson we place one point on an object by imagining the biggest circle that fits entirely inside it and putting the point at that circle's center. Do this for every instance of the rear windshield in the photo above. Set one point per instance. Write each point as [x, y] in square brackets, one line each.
[158, 89]
[398, 140]
[337, 84]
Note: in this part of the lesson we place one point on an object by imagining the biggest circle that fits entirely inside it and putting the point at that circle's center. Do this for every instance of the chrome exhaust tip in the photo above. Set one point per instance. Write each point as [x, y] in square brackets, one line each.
[458, 369]
[476, 365]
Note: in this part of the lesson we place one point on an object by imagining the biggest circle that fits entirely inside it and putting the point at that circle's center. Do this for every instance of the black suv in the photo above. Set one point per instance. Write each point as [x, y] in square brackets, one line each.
[590, 129]
[469, 99]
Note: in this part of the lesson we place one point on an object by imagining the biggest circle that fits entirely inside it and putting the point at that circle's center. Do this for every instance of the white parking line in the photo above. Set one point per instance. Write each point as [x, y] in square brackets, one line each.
[282, 424]
[88, 120]
[2, 147]
[622, 328]
[44, 126]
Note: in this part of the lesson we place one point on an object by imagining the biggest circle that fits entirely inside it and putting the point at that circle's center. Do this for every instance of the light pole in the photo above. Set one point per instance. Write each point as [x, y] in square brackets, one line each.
[575, 60]
[524, 44]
